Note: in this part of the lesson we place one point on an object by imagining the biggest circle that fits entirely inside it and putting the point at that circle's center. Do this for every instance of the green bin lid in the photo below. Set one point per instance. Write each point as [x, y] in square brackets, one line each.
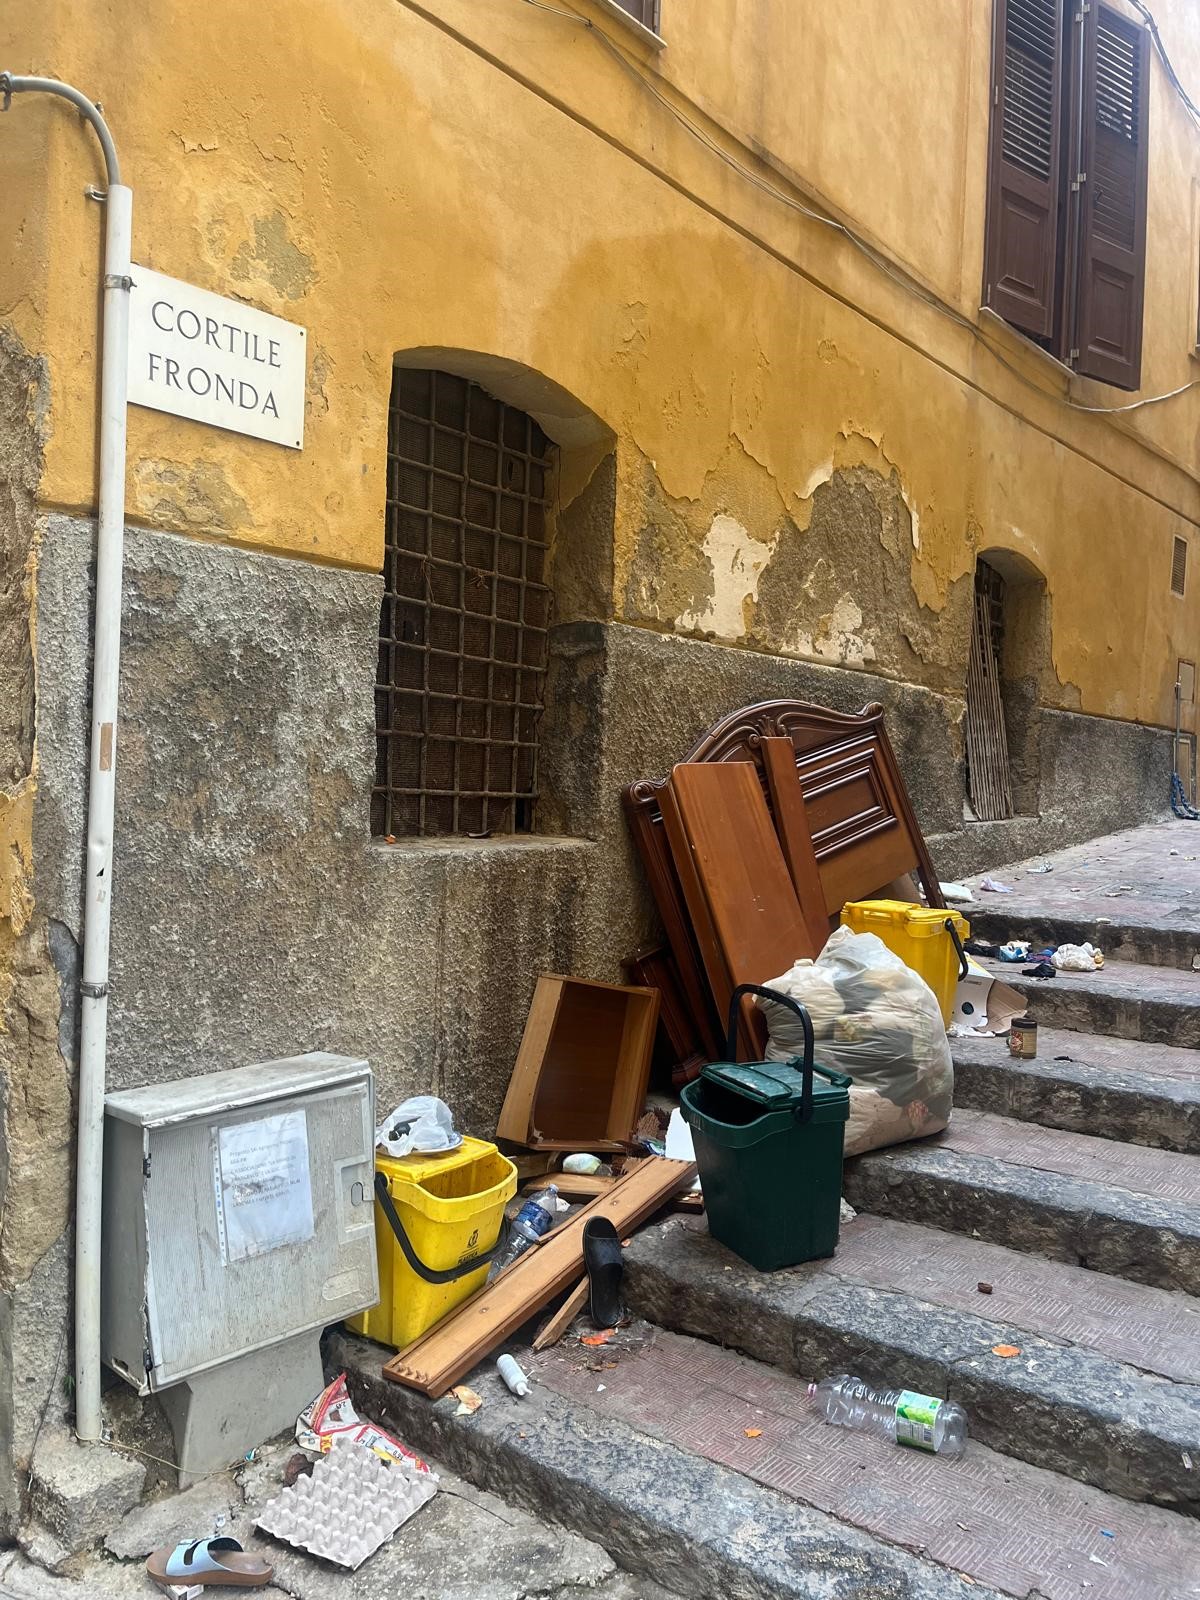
[774, 1085]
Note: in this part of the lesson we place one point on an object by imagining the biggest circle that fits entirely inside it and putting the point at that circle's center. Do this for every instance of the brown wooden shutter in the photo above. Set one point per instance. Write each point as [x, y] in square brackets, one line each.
[1112, 257]
[646, 11]
[1024, 175]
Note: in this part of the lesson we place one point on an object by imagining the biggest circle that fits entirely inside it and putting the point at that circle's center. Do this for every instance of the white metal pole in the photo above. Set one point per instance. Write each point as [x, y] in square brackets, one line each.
[106, 661]
[106, 666]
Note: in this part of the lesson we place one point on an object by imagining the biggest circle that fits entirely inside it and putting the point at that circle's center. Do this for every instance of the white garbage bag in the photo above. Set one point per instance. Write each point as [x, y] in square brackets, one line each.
[875, 1019]
[423, 1123]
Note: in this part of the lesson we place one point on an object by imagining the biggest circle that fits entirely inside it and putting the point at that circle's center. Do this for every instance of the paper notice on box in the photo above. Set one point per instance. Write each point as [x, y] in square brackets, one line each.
[264, 1192]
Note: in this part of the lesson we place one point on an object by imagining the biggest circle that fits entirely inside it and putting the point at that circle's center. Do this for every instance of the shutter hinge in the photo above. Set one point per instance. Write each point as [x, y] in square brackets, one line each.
[1073, 355]
[1078, 182]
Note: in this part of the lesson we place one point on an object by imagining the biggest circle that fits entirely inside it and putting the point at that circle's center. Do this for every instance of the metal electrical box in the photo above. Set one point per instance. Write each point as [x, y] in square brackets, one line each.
[238, 1213]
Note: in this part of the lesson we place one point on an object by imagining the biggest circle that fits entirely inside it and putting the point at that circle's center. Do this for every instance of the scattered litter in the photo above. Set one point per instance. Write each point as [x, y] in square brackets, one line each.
[331, 1419]
[1187, 1461]
[600, 1388]
[186, 1591]
[585, 1165]
[920, 1421]
[1078, 958]
[1014, 950]
[422, 1123]
[296, 1466]
[251, 1456]
[1006, 1350]
[351, 1504]
[848, 1212]
[1042, 969]
[513, 1376]
[984, 1288]
[220, 1562]
[1117, 890]
[1108, 1533]
[532, 1222]
[752, 1433]
[1045, 867]
[597, 1338]
[994, 886]
[1104, 919]
[981, 947]
[1096, 1561]
[957, 894]
[468, 1401]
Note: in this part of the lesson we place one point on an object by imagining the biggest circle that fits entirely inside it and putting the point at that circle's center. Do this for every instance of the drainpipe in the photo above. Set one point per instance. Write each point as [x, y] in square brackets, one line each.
[106, 652]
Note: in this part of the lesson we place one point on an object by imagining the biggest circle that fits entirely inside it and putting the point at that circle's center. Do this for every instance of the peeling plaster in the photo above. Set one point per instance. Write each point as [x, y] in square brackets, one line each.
[737, 558]
[837, 637]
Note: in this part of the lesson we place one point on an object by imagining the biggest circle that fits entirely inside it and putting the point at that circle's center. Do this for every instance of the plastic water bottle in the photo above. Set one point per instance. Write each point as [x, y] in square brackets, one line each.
[921, 1421]
[531, 1223]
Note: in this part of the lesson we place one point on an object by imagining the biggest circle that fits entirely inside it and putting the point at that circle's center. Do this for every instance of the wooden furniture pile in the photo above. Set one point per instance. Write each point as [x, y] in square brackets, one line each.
[781, 814]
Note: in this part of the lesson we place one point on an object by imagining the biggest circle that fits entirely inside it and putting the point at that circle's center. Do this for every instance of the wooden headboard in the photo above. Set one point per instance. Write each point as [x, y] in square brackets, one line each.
[864, 830]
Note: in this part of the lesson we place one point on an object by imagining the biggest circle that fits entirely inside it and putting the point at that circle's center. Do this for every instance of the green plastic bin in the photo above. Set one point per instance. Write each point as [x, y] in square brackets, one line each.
[768, 1141]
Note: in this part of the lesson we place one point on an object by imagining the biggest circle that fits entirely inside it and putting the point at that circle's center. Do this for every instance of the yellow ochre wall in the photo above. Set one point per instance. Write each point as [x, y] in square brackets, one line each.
[485, 175]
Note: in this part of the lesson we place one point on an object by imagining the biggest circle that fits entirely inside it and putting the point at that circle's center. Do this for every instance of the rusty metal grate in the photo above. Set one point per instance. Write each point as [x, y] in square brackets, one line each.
[1179, 555]
[466, 612]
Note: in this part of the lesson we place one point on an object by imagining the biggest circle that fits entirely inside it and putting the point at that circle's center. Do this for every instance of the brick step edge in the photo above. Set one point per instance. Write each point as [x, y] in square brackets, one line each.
[694, 1527]
[1063, 1407]
[1163, 1113]
[1107, 1229]
[1148, 943]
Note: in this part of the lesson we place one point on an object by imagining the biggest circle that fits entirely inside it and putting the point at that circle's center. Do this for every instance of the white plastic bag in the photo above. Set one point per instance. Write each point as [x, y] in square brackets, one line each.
[423, 1123]
[1077, 958]
[876, 1020]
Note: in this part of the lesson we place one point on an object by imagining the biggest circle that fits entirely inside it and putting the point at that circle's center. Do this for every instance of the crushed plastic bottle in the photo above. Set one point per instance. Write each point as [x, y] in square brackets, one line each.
[535, 1219]
[920, 1421]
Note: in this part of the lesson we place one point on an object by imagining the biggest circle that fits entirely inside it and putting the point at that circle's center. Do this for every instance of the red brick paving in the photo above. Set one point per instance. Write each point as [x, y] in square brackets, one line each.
[998, 1520]
[1164, 1174]
[1155, 1330]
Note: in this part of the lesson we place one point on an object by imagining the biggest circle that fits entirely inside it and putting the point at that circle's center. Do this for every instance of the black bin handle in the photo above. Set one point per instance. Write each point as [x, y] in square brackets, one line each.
[807, 1065]
[431, 1274]
[963, 966]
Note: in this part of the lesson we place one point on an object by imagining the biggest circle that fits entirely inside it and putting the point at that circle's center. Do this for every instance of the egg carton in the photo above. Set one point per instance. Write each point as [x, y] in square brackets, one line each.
[351, 1504]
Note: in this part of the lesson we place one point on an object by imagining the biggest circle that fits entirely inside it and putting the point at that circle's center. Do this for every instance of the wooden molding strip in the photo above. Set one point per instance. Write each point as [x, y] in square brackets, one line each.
[450, 1349]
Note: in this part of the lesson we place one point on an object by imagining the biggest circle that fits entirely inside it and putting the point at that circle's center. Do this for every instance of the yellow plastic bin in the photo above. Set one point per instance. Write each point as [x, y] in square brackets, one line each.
[437, 1220]
[926, 939]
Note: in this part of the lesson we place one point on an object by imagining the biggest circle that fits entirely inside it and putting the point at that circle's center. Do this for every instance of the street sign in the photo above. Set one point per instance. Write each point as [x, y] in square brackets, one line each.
[212, 359]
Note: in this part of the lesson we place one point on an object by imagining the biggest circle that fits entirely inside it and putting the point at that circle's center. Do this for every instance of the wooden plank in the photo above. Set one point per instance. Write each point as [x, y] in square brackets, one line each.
[712, 957]
[657, 968]
[740, 866]
[791, 825]
[987, 744]
[573, 1185]
[453, 1346]
[554, 1327]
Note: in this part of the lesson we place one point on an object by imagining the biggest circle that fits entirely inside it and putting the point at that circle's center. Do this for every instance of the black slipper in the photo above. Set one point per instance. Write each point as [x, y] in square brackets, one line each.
[603, 1260]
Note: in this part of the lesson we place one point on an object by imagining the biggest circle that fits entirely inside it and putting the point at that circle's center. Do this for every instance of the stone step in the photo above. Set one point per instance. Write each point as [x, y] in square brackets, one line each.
[1103, 1387]
[1122, 1000]
[1116, 1208]
[710, 1474]
[1161, 939]
[1116, 1088]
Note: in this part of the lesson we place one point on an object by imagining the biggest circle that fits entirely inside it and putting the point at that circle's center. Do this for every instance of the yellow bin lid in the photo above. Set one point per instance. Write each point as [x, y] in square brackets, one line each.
[919, 922]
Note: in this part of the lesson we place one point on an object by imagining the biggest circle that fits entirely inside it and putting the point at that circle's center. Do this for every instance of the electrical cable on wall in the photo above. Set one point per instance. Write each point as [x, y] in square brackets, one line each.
[897, 274]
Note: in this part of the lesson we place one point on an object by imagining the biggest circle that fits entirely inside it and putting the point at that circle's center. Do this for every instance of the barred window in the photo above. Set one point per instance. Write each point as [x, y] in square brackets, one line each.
[465, 615]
